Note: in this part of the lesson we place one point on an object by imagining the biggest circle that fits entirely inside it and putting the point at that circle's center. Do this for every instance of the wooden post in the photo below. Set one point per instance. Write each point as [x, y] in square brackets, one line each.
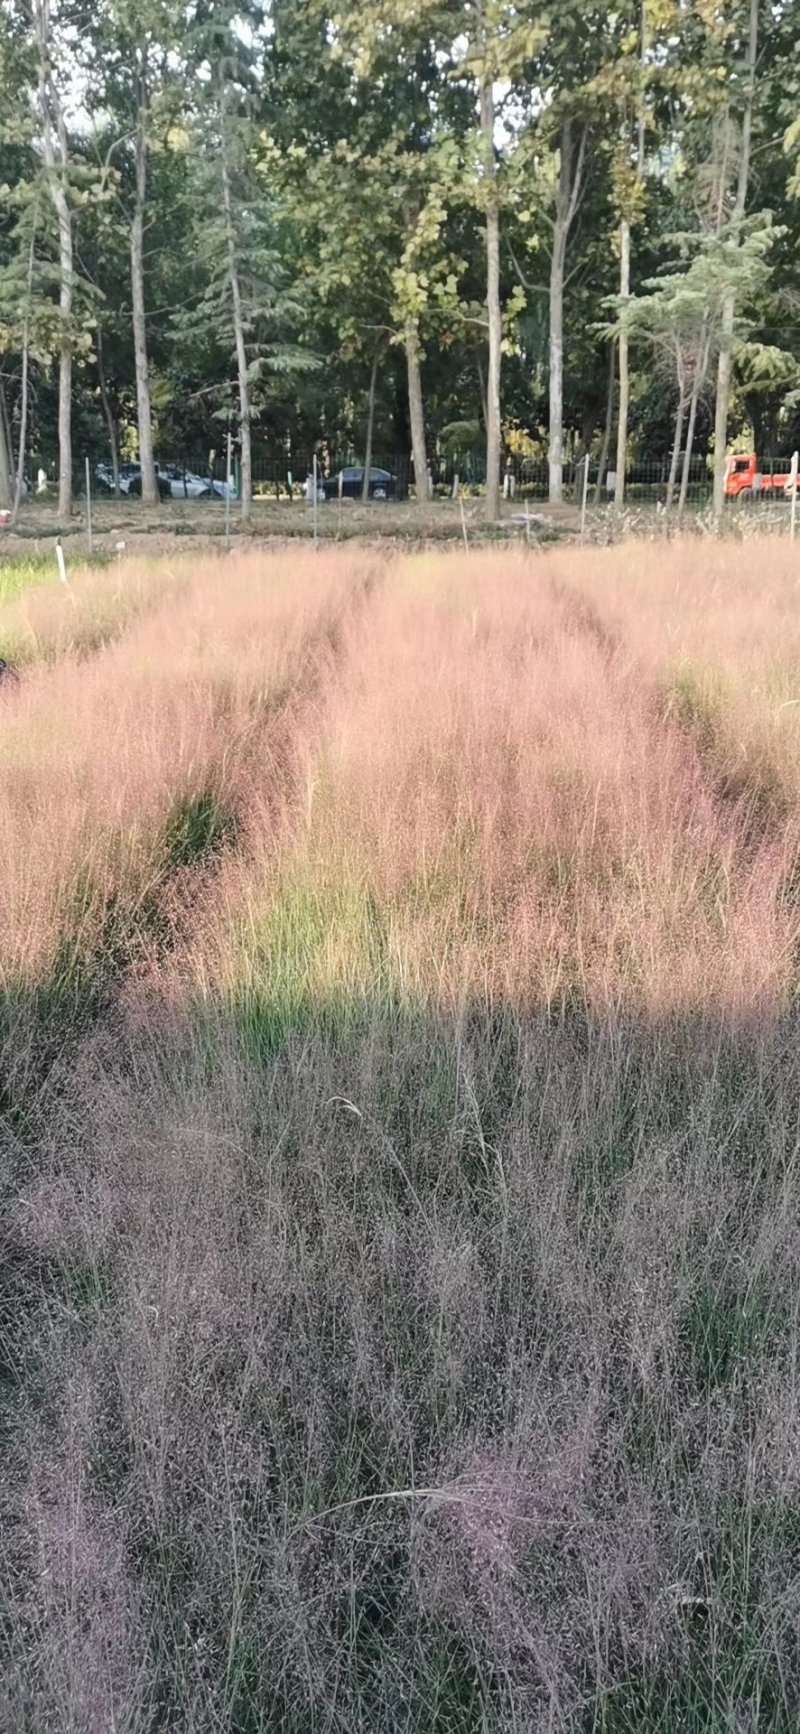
[341, 479]
[793, 479]
[315, 500]
[88, 505]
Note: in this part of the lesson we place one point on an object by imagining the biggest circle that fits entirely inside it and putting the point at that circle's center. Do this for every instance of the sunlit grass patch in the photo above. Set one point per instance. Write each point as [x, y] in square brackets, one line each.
[20, 572]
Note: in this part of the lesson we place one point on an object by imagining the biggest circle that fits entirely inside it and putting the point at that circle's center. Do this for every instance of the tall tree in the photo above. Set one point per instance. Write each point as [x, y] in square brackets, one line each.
[729, 309]
[629, 184]
[141, 76]
[388, 157]
[504, 37]
[246, 298]
[494, 310]
[570, 162]
[132, 56]
[55, 147]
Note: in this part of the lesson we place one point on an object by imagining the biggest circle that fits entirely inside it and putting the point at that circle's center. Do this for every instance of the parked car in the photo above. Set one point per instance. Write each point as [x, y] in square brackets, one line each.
[175, 482]
[128, 473]
[183, 484]
[382, 484]
[188, 485]
[134, 487]
[221, 490]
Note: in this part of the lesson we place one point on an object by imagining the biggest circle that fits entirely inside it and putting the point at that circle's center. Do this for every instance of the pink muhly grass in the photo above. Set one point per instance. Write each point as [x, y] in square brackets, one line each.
[479, 1333]
[497, 777]
[97, 753]
[50, 621]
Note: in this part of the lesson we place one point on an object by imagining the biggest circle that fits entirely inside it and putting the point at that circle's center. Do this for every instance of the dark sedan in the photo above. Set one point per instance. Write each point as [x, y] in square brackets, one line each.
[382, 485]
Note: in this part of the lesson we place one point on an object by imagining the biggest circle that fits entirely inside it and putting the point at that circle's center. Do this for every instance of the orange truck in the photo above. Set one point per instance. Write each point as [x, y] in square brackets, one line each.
[744, 478]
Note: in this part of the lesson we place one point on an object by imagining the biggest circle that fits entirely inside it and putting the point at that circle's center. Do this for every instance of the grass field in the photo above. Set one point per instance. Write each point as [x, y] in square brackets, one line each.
[400, 1130]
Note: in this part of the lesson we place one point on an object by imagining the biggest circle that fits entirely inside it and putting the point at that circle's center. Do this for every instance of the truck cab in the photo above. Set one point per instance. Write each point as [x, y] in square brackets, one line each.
[744, 476]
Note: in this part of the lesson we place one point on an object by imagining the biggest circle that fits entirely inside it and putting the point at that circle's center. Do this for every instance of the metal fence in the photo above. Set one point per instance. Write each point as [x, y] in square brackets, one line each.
[646, 482]
[524, 478]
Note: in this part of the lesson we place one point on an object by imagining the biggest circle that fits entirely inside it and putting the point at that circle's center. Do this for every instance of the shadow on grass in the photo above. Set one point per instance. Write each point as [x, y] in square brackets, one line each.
[544, 1264]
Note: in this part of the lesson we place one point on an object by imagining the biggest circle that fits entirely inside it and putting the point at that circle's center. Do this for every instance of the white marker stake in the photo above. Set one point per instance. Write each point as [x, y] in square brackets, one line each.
[341, 479]
[89, 505]
[464, 524]
[315, 499]
[62, 565]
[793, 479]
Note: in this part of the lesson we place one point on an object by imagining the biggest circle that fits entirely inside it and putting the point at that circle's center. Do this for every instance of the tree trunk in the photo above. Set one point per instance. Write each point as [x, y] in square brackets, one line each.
[107, 411]
[56, 163]
[568, 192]
[150, 494]
[680, 417]
[239, 338]
[624, 369]
[677, 442]
[24, 387]
[65, 422]
[493, 426]
[625, 280]
[697, 385]
[415, 410]
[23, 425]
[556, 440]
[724, 369]
[687, 455]
[482, 390]
[724, 365]
[606, 445]
[373, 381]
[6, 461]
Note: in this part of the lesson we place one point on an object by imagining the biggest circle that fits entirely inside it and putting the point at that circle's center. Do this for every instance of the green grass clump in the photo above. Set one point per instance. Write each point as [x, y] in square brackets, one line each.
[23, 571]
[310, 962]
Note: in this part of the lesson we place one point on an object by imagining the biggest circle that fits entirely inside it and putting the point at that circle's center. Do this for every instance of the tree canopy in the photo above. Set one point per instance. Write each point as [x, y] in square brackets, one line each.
[420, 230]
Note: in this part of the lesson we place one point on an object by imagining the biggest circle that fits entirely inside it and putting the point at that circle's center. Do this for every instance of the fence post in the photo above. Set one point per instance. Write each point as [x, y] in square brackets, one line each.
[88, 506]
[793, 479]
[315, 499]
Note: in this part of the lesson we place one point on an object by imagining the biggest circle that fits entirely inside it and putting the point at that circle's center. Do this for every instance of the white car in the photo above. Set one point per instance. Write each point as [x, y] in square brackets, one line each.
[186, 485]
[183, 484]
